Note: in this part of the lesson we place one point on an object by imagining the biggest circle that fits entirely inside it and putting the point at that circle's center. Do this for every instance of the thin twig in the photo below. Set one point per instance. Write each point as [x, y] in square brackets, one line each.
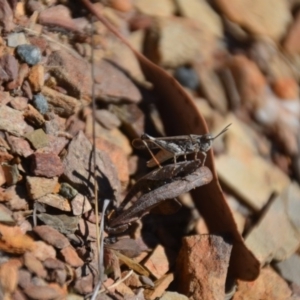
[101, 252]
[53, 41]
[34, 214]
[94, 148]
[115, 284]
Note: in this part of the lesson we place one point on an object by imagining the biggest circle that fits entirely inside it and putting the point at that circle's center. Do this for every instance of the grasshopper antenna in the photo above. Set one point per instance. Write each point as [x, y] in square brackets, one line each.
[223, 131]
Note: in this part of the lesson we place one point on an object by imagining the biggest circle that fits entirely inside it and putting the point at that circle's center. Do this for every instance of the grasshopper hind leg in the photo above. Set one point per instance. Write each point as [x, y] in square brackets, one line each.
[151, 153]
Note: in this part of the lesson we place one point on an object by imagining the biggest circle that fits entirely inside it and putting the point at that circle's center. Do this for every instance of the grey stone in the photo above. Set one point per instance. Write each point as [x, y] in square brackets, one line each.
[277, 235]
[16, 39]
[67, 191]
[187, 77]
[78, 163]
[40, 103]
[29, 54]
[63, 223]
[289, 269]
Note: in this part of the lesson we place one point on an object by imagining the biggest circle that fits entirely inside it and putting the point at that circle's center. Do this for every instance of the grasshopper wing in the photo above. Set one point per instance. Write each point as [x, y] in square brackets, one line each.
[140, 144]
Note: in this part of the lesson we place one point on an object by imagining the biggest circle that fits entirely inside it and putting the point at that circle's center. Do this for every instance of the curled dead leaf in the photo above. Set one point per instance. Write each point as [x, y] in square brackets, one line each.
[209, 200]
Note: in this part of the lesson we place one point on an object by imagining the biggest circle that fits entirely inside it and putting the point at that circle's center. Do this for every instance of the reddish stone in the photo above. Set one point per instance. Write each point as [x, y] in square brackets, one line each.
[11, 67]
[4, 97]
[80, 204]
[24, 278]
[23, 73]
[41, 292]
[114, 90]
[9, 276]
[52, 236]
[39, 186]
[36, 77]
[255, 16]
[27, 89]
[56, 15]
[5, 156]
[71, 257]
[18, 295]
[84, 285]
[249, 79]
[19, 103]
[38, 42]
[159, 262]
[34, 265]
[46, 164]
[7, 16]
[78, 161]
[56, 201]
[117, 156]
[121, 5]
[269, 285]
[202, 266]
[286, 88]
[19, 146]
[12, 121]
[55, 144]
[43, 251]
[291, 42]
[53, 263]
[18, 198]
[71, 71]
[87, 229]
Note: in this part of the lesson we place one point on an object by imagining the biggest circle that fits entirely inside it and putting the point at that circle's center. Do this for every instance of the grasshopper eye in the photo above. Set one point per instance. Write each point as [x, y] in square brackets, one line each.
[206, 138]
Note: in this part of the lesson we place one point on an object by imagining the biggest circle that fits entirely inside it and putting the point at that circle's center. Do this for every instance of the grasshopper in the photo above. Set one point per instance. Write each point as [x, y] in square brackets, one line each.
[175, 146]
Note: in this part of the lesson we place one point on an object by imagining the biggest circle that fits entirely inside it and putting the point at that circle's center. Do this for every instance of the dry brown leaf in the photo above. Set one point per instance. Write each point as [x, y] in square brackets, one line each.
[132, 264]
[128, 247]
[208, 199]
[160, 287]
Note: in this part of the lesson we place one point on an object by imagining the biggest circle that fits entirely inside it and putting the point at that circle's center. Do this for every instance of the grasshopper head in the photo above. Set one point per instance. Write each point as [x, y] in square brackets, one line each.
[205, 141]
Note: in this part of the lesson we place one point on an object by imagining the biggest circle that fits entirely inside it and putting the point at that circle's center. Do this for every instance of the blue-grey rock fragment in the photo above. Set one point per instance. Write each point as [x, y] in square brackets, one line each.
[187, 77]
[29, 54]
[40, 103]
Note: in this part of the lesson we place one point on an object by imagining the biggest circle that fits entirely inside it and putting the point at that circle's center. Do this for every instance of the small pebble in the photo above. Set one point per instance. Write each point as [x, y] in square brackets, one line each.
[29, 54]
[40, 103]
[67, 191]
[187, 77]
[15, 39]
